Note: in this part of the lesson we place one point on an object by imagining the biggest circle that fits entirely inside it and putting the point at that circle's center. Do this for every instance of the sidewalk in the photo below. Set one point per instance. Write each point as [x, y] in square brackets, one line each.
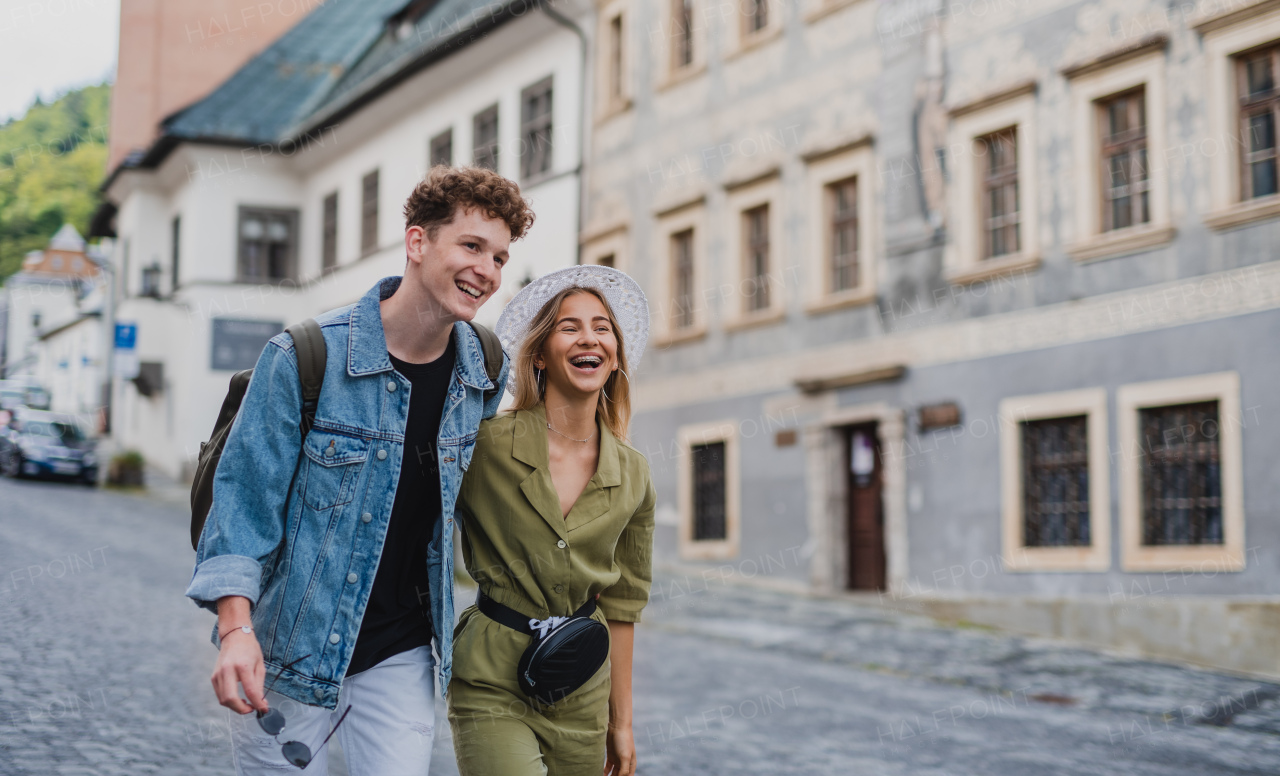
[869, 637]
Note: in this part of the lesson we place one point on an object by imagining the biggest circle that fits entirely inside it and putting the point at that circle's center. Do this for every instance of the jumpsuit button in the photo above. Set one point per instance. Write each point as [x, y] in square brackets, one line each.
[366, 517]
[352, 578]
[318, 693]
[333, 638]
[382, 455]
[391, 386]
[559, 588]
[561, 544]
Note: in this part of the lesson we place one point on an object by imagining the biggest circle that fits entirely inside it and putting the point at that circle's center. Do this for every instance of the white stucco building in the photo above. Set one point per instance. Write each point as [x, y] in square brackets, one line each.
[279, 195]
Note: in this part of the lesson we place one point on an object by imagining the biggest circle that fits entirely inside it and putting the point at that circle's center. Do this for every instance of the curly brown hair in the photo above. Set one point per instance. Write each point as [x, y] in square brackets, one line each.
[439, 196]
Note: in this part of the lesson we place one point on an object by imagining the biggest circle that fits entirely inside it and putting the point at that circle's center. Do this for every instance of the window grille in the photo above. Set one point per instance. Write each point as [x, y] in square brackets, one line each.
[1181, 474]
[1000, 193]
[1055, 482]
[709, 498]
[1126, 184]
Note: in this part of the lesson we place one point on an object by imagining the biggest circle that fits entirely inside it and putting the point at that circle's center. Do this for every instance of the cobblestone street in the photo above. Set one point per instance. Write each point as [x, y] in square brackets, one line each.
[104, 670]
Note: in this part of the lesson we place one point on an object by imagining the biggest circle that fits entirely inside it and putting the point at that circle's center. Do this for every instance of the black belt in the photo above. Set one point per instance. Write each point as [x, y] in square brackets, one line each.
[516, 621]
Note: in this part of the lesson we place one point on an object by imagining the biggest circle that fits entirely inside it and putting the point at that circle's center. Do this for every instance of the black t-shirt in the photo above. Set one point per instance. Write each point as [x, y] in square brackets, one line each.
[398, 617]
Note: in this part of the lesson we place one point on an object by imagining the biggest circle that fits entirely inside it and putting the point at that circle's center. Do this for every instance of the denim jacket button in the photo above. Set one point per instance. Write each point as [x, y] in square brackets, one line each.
[328, 452]
[366, 517]
[318, 693]
[352, 578]
[391, 386]
[334, 638]
[382, 455]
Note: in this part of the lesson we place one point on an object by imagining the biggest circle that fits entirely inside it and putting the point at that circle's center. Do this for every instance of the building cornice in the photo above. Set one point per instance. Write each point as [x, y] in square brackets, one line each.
[1020, 89]
[1148, 45]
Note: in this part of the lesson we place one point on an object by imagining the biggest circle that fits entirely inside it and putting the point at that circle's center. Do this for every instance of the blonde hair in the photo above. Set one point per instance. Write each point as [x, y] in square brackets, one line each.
[614, 406]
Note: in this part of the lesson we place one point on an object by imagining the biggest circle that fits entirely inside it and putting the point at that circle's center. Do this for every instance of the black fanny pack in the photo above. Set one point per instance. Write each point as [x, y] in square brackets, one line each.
[565, 653]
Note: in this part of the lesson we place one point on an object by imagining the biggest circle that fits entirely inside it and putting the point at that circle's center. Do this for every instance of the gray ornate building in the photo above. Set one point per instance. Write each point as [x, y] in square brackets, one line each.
[975, 304]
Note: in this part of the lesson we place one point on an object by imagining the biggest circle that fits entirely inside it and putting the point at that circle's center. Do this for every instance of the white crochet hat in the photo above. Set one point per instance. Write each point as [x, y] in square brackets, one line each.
[624, 295]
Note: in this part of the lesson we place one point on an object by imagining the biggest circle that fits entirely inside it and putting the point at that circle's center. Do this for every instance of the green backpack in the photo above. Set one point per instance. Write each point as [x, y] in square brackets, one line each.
[312, 355]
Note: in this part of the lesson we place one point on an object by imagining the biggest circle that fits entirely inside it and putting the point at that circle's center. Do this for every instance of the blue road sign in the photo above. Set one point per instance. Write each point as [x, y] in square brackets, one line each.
[126, 336]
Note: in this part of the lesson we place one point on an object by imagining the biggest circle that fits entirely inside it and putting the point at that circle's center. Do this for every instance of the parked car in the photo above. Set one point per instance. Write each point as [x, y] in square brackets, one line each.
[23, 392]
[35, 443]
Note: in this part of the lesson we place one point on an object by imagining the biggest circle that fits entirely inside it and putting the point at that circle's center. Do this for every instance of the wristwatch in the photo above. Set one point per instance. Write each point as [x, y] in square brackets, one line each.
[245, 628]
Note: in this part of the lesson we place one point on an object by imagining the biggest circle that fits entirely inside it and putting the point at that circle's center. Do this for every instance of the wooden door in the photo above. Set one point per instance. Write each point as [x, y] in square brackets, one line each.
[865, 519]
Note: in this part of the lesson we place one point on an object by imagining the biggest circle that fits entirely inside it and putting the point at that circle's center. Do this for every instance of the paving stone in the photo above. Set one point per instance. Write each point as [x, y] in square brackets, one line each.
[104, 669]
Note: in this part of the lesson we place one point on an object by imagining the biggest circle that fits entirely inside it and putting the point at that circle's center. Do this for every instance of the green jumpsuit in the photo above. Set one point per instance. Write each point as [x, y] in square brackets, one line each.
[525, 554]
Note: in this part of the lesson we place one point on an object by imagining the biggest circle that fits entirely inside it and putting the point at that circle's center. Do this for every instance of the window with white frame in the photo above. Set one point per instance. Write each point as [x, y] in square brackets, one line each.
[440, 150]
[484, 138]
[329, 233]
[607, 247]
[1125, 179]
[1242, 55]
[1181, 487]
[1055, 489]
[840, 258]
[369, 213]
[708, 485]
[268, 243]
[536, 111]
[682, 37]
[994, 229]
[680, 305]
[613, 69]
[1258, 73]
[757, 274]
[1119, 127]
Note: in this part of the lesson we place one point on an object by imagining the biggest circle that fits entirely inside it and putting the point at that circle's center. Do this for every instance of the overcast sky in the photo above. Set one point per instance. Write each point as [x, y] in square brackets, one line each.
[50, 46]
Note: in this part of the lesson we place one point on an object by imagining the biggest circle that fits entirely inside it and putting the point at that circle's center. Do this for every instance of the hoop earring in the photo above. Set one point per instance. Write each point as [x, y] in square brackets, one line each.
[537, 379]
[604, 393]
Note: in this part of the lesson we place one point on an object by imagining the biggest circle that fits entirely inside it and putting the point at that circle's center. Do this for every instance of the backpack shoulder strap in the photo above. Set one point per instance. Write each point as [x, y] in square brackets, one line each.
[491, 346]
[308, 343]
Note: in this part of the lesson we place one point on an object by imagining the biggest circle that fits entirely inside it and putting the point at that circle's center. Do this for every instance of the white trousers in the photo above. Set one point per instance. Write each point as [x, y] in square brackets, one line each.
[388, 732]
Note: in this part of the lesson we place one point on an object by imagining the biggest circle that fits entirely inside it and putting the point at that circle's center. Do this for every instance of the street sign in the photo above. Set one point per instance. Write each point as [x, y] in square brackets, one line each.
[124, 360]
[126, 336]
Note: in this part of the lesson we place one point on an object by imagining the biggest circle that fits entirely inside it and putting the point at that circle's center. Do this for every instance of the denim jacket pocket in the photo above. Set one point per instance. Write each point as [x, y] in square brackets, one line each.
[333, 463]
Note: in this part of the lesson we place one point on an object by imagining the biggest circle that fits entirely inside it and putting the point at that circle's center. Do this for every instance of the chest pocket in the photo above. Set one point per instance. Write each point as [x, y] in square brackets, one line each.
[333, 464]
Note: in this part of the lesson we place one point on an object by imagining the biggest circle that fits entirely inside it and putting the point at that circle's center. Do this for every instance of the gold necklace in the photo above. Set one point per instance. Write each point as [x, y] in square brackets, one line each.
[566, 436]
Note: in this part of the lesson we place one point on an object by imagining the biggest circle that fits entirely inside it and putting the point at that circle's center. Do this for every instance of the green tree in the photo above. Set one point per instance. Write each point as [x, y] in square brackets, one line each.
[52, 161]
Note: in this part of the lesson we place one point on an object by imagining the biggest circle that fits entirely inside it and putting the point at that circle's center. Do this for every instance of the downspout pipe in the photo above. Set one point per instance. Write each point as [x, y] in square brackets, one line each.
[549, 9]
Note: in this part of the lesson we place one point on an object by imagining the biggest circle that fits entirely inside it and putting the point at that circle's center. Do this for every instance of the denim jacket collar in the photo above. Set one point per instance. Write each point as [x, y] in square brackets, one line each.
[367, 346]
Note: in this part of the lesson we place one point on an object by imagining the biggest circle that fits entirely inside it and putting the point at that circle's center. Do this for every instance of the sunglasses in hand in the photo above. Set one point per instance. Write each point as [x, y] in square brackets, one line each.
[272, 723]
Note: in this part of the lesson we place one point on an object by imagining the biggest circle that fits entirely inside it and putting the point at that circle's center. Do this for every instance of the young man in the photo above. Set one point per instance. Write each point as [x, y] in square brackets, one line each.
[330, 585]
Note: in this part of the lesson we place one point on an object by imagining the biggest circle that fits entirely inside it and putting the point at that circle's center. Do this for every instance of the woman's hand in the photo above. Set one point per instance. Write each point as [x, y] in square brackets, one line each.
[620, 745]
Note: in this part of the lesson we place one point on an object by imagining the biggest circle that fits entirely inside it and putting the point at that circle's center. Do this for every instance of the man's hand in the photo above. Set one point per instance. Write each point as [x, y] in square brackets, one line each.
[620, 752]
[239, 660]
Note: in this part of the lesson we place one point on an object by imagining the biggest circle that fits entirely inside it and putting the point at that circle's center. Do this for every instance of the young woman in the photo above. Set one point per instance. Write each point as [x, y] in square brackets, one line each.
[556, 514]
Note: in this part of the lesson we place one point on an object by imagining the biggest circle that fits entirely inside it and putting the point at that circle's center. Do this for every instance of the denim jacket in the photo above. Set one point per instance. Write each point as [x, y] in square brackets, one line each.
[304, 550]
